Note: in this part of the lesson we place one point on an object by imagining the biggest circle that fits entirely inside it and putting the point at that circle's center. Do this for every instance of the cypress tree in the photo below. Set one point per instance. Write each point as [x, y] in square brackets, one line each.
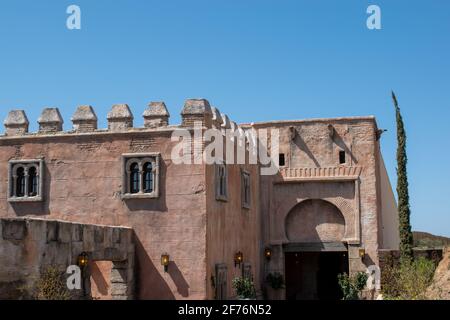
[406, 238]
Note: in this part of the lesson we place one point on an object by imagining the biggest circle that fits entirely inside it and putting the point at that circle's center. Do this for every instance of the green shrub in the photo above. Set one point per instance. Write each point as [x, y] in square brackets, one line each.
[275, 280]
[244, 288]
[407, 280]
[351, 287]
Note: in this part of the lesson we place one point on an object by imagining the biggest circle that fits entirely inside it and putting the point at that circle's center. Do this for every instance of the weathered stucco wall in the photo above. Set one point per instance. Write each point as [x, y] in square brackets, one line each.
[83, 183]
[353, 186]
[29, 246]
[232, 228]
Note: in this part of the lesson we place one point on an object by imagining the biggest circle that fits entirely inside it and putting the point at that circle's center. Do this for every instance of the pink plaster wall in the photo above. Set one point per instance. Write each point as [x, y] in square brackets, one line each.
[83, 178]
[231, 228]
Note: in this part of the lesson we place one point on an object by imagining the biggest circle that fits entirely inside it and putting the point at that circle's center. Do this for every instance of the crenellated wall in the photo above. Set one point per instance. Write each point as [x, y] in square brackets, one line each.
[83, 177]
[333, 175]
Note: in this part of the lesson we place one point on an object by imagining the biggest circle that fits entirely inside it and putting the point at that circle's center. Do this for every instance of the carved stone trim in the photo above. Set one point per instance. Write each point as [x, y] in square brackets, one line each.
[320, 174]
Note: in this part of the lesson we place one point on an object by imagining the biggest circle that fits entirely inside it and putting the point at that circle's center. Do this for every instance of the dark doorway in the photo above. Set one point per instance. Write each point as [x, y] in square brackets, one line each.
[313, 275]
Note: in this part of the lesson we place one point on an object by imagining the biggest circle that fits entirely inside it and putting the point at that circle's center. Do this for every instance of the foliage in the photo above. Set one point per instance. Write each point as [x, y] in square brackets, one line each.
[406, 237]
[52, 286]
[407, 280]
[244, 287]
[427, 240]
[351, 287]
[275, 280]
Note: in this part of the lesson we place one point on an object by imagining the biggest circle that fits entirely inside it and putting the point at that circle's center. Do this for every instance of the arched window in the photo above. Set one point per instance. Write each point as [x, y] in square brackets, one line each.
[25, 177]
[32, 182]
[141, 178]
[134, 178]
[20, 182]
[148, 177]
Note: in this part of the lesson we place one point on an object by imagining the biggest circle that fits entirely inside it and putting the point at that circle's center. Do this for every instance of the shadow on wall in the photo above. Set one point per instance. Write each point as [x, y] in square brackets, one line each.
[101, 283]
[178, 279]
[35, 208]
[301, 144]
[341, 144]
[149, 283]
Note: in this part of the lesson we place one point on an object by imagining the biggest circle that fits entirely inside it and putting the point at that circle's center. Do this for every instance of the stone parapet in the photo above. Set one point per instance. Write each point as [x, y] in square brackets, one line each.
[84, 119]
[50, 121]
[120, 118]
[16, 123]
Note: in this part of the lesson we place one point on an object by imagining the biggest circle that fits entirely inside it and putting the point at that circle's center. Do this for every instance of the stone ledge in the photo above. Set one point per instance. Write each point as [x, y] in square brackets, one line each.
[320, 174]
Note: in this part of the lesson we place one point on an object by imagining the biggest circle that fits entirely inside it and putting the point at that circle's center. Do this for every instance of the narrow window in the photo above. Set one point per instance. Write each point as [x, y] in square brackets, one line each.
[221, 182]
[134, 178]
[148, 177]
[20, 184]
[281, 160]
[341, 157]
[246, 190]
[32, 182]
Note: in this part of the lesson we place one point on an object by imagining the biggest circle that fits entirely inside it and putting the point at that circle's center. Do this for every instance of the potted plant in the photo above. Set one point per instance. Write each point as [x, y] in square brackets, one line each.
[275, 280]
[244, 287]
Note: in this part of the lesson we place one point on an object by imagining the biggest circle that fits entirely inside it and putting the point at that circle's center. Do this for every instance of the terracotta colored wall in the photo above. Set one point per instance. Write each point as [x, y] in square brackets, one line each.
[83, 178]
[100, 280]
[232, 228]
[313, 148]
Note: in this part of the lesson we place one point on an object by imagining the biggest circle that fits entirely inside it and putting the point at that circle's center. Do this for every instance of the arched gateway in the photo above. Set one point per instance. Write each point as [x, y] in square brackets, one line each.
[316, 252]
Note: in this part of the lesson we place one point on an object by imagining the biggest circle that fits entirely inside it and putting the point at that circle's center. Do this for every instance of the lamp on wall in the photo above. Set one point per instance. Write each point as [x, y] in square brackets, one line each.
[268, 253]
[362, 252]
[83, 260]
[165, 261]
[238, 258]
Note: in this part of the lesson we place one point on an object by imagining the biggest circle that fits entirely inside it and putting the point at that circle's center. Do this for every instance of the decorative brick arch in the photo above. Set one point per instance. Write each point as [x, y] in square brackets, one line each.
[346, 208]
[315, 220]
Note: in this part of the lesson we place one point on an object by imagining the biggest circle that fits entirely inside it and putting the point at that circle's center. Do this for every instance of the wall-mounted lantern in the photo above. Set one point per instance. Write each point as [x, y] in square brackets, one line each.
[268, 253]
[238, 258]
[83, 260]
[362, 252]
[165, 261]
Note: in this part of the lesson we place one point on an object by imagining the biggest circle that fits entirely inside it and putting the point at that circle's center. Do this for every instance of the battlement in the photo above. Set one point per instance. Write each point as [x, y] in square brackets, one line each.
[120, 120]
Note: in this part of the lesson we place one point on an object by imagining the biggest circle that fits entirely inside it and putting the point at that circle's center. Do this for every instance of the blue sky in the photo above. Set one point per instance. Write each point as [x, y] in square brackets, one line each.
[256, 60]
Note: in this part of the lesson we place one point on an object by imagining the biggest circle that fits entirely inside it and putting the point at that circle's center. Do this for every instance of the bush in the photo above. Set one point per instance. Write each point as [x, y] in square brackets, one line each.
[351, 287]
[244, 288]
[275, 280]
[52, 286]
[407, 280]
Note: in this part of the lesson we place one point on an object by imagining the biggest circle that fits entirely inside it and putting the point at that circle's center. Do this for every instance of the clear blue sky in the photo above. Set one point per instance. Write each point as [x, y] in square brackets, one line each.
[254, 59]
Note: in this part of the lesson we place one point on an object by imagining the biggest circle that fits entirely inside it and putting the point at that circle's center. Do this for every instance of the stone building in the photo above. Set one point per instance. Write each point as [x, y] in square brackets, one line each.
[329, 207]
